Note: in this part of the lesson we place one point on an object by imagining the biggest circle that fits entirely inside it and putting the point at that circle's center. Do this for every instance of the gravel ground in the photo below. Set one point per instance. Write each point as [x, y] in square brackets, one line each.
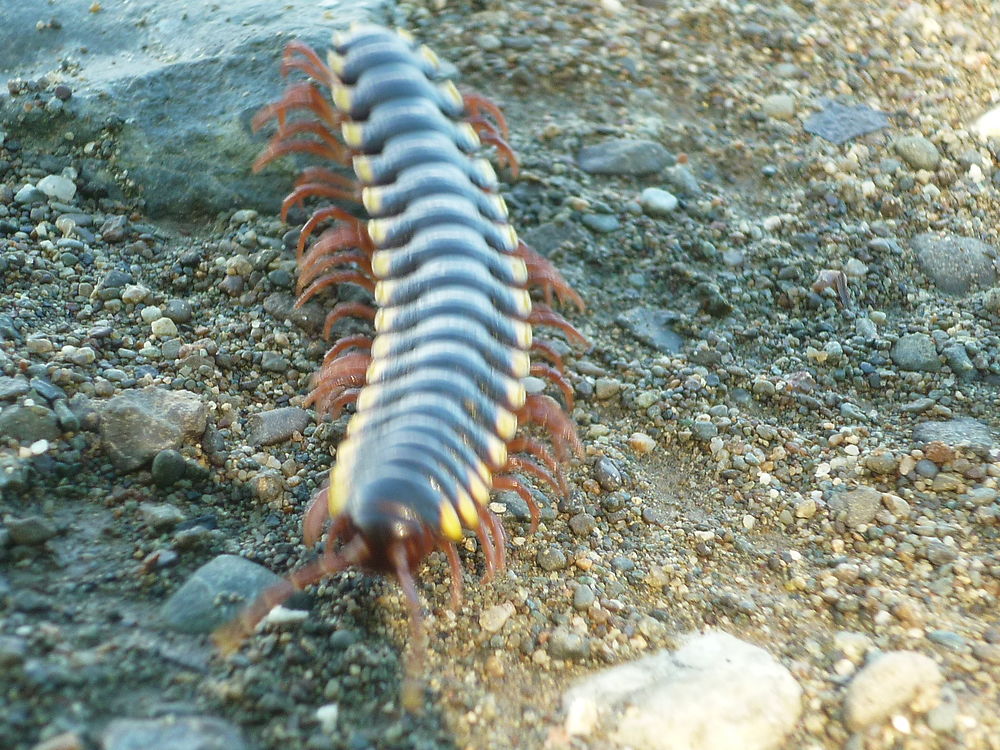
[785, 227]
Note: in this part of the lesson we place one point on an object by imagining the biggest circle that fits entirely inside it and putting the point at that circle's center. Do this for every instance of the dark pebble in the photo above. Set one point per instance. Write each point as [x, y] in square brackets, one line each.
[169, 467]
[607, 474]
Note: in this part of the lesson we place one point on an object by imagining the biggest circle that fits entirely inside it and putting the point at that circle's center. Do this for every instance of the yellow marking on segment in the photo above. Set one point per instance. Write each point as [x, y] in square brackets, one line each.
[497, 452]
[342, 97]
[352, 133]
[451, 527]
[405, 34]
[383, 319]
[516, 395]
[381, 346]
[523, 301]
[469, 132]
[486, 170]
[520, 363]
[383, 291]
[506, 425]
[513, 237]
[500, 203]
[363, 169]
[467, 509]
[371, 198]
[450, 90]
[478, 489]
[366, 399]
[335, 62]
[377, 230]
[522, 332]
[375, 369]
[381, 263]
[519, 269]
[429, 55]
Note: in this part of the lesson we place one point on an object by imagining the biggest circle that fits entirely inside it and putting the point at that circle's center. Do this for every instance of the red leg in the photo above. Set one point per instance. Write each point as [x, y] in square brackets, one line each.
[455, 565]
[336, 405]
[527, 466]
[545, 412]
[347, 310]
[346, 370]
[297, 96]
[542, 315]
[322, 174]
[477, 103]
[337, 277]
[354, 341]
[300, 56]
[525, 444]
[308, 272]
[555, 377]
[318, 217]
[543, 274]
[313, 189]
[316, 516]
[504, 151]
[507, 482]
[283, 147]
[548, 351]
[489, 519]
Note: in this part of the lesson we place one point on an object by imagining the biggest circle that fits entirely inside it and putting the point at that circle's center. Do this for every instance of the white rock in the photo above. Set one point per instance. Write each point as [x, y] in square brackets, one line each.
[656, 202]
[163, 327]
[779, 106]
[58, 187]
[327, 717]
[988, 125]
[281, 616]
[895, 680]
[715, 693]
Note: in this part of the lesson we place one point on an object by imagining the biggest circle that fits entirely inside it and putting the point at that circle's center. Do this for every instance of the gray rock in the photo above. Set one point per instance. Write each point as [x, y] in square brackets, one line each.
[58, 187]
[856, 507]
[173, 733]
[600, 223]
[955, 264]
[778, 107]
[657, 203]
[715, 693]
[568, 645]
[276, 425]
[31, 530]
[915, 352]
[918, 152]
[704, 430]
[652, 327]
[839, 123]
[958, 360]
[215, 593]
[624, 156]
[11, 388]
[138, 424]
[551, 558]
[274, 362]
[958, 433]
[26, 424]
[29, 194]
[160, 517]
[682, 180]
[894, 680]
[551, 236]
[222, 66]
[169, 467]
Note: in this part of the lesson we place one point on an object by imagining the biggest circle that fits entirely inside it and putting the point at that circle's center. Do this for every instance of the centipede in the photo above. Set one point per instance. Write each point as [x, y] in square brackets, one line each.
[412, 214]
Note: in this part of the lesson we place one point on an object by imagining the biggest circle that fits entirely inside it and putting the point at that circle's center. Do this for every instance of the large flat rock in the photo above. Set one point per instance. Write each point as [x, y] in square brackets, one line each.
[177, 83]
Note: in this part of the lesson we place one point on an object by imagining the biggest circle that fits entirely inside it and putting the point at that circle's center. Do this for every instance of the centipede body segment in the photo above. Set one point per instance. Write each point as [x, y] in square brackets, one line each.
[437, 388]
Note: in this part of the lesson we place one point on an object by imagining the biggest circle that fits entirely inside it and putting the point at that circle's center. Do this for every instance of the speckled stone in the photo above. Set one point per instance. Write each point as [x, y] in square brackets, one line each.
[892, 681]
[956, 265]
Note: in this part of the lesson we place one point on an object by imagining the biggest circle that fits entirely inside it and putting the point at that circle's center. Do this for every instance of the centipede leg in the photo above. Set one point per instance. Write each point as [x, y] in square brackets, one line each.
[412, 697]
[477, 103]
[546, 413]
[347, 310]
[556, 378]
[354, 341]
[546, 349]
[542, 315]
[335, 277]
[543, 274]
[507, 482]
[316, 516]
[455, 566]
